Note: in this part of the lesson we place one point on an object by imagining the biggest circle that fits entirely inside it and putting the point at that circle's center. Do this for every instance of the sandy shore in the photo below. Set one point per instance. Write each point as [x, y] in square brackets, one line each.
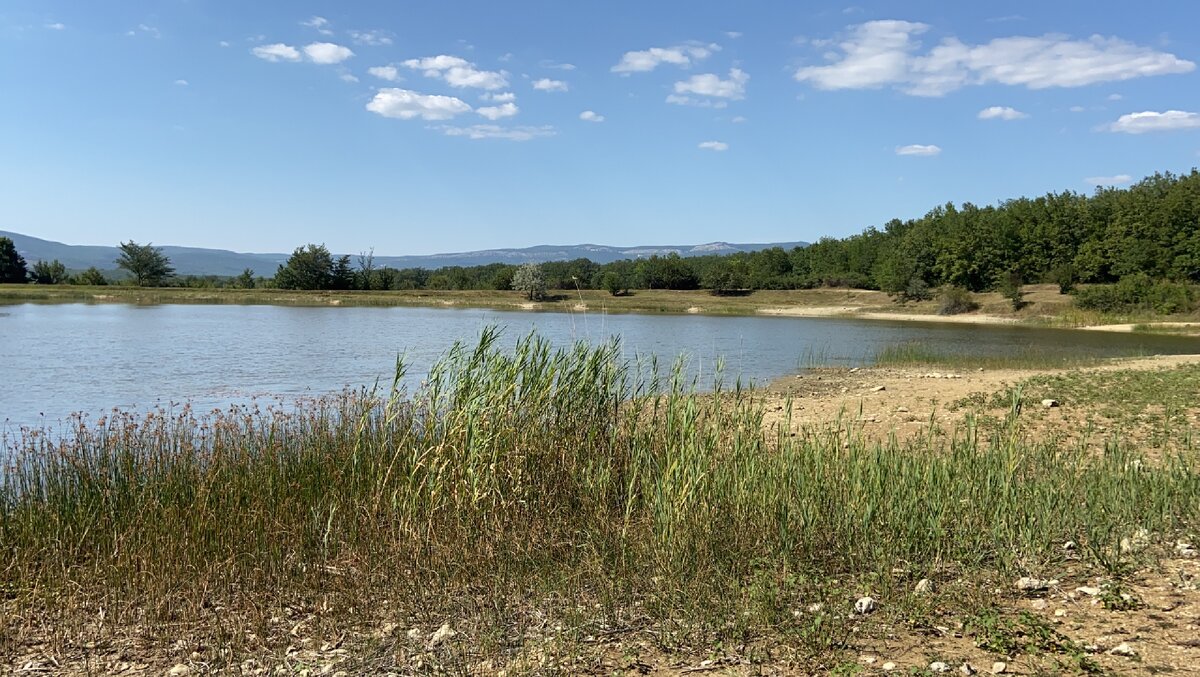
[863, 314]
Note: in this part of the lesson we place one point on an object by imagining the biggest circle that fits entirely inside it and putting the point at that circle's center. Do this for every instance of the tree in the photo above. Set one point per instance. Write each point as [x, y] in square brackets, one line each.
[313, 267]
[245, 280]
[528, 278]
[53, 272]
[91, 276]
[12, 264]
[614, 283]
[148, 265]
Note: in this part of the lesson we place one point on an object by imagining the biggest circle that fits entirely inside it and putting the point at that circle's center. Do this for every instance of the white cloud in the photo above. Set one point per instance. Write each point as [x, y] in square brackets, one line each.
[458, 72]
[319, 24]
[498, 132]
[546, 63]
[1076, 109]
[370, 38]
[710, 85]
[327, 53]
[405, 104]
[1151, 121]
[1118, 180]
[146, 30]
[738, 119]
[181, 83]
[499, 97]
[918, 149]
[648, 60]
[389, 73]
[733, 35]
[548, 85]
[714, 145]
[276, 52]
[1115, 97]
[1001, 113]
[223, 43]
[591, 116]
[504, 110]
[348, 77]
[56, 26]
[887, 53]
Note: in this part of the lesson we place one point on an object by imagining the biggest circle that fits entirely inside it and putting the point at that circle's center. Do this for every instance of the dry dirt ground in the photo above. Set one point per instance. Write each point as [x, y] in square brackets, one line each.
[1074, 625]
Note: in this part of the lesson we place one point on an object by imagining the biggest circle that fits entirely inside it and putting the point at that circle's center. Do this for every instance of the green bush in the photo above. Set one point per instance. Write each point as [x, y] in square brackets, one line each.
[955, 300]
[1136, 292]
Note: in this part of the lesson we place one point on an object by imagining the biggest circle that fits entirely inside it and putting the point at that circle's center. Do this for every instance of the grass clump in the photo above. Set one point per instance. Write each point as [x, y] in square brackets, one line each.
[522, 489]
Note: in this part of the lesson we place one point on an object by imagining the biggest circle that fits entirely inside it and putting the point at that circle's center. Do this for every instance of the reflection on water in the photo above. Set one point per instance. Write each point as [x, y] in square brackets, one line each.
[59, 359]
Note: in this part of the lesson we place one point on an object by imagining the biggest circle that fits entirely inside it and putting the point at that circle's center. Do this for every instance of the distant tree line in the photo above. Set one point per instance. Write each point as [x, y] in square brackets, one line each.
[1148, 233]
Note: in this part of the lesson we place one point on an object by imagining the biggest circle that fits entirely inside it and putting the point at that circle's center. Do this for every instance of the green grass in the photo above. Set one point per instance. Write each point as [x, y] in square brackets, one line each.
[530, 488]
[914, 353]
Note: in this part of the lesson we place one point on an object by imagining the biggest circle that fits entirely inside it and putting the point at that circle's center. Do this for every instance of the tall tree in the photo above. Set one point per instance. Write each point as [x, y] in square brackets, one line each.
[52, 272]
[148, 265]
[12, 264]
[528, 279]
[313, 267]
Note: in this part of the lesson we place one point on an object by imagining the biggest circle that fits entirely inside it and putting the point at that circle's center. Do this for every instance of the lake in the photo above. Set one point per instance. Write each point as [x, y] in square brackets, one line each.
[65, 358]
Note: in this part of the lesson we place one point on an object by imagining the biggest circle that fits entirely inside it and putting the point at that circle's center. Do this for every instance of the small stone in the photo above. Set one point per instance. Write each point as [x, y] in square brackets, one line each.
[865, 605]
[1069, 546]
[901, 410]
[815, 608]
[1039, 604]
[878, 389]
[867, 660]
[442, 634]
[413, 633]
[889, 666]
[1088, 590]
[967, 669]
[388, 629]
[1123, 649]
[179, 669]
[1031, 584]
[1049, 404]
[999, 667]
[1185, 549]
[1060, 612]
[923, 587]
[938, 667]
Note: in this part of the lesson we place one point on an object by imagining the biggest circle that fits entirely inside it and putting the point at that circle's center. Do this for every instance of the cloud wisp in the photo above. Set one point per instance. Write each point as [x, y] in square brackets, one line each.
[1001, 113]
[918, 149]
[1152, 121]
[646, 60]
[889, 53]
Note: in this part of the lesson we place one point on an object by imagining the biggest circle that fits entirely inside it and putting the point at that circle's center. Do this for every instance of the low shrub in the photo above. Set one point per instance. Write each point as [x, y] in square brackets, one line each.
[1136, 292]
[955, 300]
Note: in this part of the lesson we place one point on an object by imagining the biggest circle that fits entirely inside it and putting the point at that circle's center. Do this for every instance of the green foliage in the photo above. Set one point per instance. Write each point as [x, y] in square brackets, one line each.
[12, 264]
[1010, 288]
[955, 300]
[49, 272]
[1066, 277]
[528, 279]
[92, 276]
[313, 267]
[245, 280]
[1136, 292]
[148, 265]
[614, 283]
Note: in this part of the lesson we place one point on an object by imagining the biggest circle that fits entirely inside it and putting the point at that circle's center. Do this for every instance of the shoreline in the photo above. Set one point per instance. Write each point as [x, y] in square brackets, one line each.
[1047, 308]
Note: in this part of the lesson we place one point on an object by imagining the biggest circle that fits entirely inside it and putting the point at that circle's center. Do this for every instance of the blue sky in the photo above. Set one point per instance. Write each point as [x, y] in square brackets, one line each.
[425, 127]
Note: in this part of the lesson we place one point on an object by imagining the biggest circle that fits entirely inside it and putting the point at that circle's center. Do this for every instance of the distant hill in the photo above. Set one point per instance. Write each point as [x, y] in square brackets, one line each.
[201, 261]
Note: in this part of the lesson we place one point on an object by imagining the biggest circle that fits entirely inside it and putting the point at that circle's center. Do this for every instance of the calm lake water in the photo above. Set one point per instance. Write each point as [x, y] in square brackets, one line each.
[60, 359]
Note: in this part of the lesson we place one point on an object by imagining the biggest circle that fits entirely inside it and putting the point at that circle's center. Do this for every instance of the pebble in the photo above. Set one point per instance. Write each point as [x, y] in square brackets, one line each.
[865, 605]
[1031, 584]
[178, 670]
[901, 410]
[1050, 404]
[999, 667]
[1060, 612]
[889, 666]
[1088, 590]
[924, 587]
[413, 633]
[967, 669]
[939, 667]
[1039, 604]
[1123, 649]
[1185, 549]
[878, 389]
[442, 634]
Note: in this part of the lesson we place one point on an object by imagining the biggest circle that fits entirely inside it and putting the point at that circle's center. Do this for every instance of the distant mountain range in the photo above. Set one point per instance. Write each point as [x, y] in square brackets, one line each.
[201, 261]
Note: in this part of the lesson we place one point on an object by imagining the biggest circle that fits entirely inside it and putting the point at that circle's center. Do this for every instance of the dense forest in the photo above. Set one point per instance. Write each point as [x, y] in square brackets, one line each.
[1148, 231]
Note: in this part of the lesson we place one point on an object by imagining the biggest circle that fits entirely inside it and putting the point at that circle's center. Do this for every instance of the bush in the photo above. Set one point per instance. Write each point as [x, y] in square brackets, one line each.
[955, 300]
[1136, 292]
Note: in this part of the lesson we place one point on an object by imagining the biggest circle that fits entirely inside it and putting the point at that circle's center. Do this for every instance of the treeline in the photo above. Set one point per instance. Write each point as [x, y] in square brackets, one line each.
[1147, 232]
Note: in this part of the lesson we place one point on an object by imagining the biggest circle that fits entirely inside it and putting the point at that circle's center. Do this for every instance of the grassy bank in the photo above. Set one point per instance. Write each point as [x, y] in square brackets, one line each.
[534, 501]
